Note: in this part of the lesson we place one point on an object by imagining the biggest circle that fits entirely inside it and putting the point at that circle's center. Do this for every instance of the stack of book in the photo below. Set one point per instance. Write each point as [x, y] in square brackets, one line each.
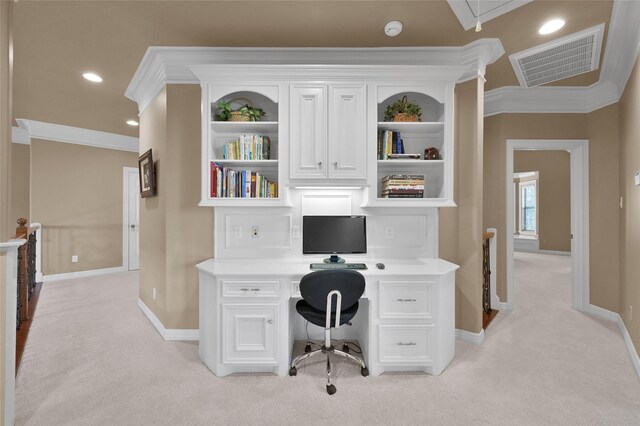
[403, 186]
[229, 183]
[248, 147]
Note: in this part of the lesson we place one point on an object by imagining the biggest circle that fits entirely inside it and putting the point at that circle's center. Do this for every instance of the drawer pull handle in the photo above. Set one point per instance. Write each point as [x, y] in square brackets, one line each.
[244, 289]
[270, 321]
[407, 344]
[255, 289]
[407, 300]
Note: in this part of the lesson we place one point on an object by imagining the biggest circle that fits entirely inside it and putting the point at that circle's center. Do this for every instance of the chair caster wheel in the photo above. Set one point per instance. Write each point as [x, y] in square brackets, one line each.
[364, 371]
[331, 389]
[293, 371]
[345, 348]
[307, 348]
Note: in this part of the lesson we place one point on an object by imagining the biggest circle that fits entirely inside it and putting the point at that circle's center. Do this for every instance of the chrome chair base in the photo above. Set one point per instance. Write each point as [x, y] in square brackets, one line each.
[331, 389]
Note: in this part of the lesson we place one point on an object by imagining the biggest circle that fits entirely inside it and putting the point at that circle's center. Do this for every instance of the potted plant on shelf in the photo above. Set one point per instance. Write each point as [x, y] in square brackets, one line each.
[245, 113]
[403, 110]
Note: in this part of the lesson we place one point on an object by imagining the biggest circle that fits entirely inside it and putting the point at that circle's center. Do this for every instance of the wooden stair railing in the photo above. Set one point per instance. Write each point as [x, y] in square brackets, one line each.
[488, 314]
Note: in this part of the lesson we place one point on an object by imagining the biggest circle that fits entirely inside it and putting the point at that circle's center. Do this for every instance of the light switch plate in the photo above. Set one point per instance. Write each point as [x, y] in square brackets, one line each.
[636, 178]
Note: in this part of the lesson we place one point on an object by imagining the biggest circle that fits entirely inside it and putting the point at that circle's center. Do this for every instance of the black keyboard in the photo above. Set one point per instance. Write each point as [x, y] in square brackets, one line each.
[338, 266]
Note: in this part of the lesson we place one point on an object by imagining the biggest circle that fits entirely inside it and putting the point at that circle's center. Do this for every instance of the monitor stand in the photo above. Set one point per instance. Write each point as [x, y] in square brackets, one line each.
[334, 259]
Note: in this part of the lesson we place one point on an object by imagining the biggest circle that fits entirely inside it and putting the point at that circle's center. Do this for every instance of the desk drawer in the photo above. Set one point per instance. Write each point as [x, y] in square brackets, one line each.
[295, 290]
[406, 343]
[249, 288]
[406, 299]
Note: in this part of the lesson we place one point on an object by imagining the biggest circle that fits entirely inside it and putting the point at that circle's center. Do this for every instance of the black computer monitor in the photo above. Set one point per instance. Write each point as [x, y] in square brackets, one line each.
[334, 235]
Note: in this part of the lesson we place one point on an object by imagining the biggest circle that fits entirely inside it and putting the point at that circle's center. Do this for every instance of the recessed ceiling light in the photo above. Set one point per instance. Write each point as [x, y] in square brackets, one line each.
[132, 122]
[393, 28]
[551, 26]
[92, 77]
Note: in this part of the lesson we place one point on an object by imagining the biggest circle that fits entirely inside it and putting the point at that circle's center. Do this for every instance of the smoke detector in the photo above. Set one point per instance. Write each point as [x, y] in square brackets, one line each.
[393, 28]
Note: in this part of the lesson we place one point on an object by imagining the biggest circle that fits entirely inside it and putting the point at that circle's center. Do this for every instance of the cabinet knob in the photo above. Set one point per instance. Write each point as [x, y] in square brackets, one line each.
[270, 321]
[335, 165]
[319, 164]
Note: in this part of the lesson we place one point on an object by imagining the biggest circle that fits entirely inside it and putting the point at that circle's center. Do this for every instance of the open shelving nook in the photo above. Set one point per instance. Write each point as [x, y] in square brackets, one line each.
[263, 164]
[435, 130]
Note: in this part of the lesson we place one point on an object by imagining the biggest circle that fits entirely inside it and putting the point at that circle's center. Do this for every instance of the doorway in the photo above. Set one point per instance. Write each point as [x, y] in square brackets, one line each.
[579, 183]
[130, 218]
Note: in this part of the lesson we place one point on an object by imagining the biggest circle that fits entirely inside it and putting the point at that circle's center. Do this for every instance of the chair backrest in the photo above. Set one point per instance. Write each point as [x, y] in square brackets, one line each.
[315, 286]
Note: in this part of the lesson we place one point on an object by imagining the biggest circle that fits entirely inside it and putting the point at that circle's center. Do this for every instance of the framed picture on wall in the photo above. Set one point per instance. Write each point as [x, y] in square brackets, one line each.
[147, 175]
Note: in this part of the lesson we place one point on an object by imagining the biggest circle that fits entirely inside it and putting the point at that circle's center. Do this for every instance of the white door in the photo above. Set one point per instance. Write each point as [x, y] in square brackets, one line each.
[133, 219]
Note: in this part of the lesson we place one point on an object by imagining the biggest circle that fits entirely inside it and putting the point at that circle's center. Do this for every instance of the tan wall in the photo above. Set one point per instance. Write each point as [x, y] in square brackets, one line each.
[182, 232]
[630, 214]
[189, 227]
[6, 87]
[460, 228]
[77, 197]
[152, 209]
[20, 181]
[554, 195]
[600, 127]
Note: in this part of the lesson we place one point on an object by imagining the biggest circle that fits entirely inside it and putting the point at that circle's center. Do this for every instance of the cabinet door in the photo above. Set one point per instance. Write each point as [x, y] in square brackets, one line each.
[347, 131]
[307, 142]
[249, 333]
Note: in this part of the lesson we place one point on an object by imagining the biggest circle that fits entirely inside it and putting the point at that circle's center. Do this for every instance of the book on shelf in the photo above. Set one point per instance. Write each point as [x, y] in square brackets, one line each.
[393, 195]
[403, 157]
[248, 147]
[229, 183]
[389, 142]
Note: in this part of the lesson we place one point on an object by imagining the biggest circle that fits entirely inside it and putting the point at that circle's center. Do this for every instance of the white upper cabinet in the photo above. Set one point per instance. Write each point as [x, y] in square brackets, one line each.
[347, 147]
[328, 136]
[308, 158]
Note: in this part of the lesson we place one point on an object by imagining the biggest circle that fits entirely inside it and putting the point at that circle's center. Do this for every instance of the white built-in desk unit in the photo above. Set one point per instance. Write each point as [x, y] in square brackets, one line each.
[248, 321]
[325, 123]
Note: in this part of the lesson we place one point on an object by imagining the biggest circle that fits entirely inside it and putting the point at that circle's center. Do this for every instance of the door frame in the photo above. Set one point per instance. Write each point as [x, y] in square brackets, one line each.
[579, 165]
[125, 215]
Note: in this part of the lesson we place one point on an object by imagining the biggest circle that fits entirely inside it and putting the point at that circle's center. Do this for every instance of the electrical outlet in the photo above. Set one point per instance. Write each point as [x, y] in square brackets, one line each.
[389, 232]
[154, 293]
[74, 258]
[237, 232]
[295, 232]
[621, 202]
[255, 232]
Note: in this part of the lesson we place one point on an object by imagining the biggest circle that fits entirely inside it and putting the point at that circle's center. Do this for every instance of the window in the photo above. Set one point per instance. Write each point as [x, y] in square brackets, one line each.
[528, 205]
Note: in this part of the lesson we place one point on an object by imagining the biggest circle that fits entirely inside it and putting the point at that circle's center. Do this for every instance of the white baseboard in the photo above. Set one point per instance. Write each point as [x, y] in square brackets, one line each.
[562, 253]
[171, 333]
[470, 337]
[80, 274]
[615, 317]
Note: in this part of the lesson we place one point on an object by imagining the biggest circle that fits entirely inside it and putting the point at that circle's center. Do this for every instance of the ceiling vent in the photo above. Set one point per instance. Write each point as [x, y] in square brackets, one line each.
[562, 58]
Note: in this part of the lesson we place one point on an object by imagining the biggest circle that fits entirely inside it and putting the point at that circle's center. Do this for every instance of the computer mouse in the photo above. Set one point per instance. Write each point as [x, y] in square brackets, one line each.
[380, 265]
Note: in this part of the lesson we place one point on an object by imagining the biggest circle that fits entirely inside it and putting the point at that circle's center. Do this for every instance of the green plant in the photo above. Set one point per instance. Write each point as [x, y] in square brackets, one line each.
[402, 106]
[225, 109]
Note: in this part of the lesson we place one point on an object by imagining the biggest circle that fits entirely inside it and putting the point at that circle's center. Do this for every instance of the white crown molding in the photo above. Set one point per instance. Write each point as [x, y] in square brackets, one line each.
[20, 136]
[168, 333]
[468, 18]
[78, 136]
[170, 65]
[621, 54]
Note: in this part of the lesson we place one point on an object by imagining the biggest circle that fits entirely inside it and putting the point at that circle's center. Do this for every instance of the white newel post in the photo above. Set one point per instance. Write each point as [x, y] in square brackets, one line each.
[493, 254]
[10, 250]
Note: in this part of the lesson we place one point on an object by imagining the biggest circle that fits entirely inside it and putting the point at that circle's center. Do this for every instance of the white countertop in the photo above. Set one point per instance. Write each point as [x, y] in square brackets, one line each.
[300, 266]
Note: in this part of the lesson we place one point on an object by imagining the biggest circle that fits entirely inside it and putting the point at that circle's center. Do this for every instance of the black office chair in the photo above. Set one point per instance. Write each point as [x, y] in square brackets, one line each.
[340, 288]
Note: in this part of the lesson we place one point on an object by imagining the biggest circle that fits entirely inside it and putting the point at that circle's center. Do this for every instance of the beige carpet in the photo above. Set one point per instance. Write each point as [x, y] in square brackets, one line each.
[93, 359]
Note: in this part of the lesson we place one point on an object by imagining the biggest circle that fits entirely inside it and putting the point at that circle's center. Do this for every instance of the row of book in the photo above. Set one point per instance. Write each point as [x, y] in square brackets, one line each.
[389, 143]
[229, 183]
[248, 147]
[403, 186]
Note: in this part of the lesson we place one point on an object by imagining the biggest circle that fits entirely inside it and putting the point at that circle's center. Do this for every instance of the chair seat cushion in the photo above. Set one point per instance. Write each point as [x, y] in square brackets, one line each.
[318, 317]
